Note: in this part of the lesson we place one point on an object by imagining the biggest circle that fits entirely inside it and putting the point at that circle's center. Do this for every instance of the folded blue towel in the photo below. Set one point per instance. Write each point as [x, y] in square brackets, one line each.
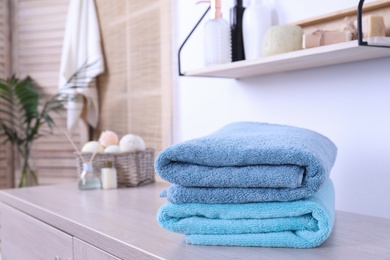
[302, 223]
[277, 162]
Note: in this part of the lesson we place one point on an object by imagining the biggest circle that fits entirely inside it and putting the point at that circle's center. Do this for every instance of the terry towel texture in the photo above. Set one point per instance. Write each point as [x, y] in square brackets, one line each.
[303, 223]
[247, 162]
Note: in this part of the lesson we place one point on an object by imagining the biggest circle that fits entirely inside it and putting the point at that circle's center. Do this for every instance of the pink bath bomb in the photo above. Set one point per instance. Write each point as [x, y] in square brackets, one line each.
[108, 138]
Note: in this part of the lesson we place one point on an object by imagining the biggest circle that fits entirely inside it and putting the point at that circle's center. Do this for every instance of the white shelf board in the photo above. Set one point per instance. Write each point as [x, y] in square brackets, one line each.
[298, 60]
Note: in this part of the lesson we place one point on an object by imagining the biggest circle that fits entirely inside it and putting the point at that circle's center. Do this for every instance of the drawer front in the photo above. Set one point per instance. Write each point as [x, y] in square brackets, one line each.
[24, 237]
[84, 251]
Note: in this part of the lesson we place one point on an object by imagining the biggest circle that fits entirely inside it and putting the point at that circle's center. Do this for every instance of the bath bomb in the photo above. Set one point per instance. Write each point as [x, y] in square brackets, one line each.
[131, 143]
[93, 147]
[108, 138]
[112, 149]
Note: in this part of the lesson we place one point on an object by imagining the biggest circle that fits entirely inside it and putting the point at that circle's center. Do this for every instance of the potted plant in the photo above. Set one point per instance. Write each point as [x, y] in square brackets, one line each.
[24, 113]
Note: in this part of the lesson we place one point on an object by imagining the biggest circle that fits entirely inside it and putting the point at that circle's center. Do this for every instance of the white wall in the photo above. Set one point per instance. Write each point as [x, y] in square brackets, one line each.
[349, 103]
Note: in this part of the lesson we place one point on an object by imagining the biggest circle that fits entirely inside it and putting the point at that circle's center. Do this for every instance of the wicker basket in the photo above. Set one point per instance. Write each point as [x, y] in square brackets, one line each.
[133, 168]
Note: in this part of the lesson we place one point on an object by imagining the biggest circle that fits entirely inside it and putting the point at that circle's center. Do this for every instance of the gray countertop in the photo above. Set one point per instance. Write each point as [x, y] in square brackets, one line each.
[123, 222]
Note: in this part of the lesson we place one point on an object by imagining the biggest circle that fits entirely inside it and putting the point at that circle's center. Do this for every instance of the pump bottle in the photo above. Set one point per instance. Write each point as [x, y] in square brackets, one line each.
[236, 15]
[255, 23]
[217, 43]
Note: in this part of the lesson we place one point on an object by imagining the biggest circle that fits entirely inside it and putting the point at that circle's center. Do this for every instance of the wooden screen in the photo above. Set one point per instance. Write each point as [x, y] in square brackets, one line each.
[136, 88]
[6, 154]
[38, 31]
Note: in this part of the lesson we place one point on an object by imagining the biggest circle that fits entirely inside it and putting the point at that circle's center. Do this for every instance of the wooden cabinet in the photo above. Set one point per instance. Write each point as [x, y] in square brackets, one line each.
[61, 221]
[24, 237]
[84, 251]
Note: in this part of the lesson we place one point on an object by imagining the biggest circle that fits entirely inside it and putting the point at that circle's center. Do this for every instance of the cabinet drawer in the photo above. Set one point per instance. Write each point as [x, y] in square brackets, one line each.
[24, 237]
[84, 251]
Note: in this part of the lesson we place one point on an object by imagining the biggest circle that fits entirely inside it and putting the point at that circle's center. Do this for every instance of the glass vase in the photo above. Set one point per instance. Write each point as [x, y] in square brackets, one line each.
[89, 179]
[28, 175]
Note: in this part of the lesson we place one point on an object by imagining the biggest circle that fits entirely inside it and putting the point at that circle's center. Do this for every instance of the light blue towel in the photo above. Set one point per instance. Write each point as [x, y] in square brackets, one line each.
[276, 162]
[303, 223]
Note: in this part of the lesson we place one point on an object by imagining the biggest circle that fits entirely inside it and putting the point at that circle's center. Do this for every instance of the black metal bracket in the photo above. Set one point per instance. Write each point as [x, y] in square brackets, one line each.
[360, 24]
[360, 27]
[185, 41]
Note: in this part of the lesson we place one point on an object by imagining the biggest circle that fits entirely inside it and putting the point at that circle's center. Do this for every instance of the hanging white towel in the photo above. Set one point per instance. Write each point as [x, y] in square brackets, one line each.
[81, 52]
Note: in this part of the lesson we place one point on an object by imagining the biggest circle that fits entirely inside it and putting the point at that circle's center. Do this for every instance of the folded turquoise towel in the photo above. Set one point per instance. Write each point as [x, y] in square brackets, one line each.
[303, 223]
[278, 162]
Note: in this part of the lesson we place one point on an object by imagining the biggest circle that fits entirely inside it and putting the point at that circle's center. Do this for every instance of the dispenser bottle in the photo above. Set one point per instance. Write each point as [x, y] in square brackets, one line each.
[217, 43]
[236, 15]
[256, 21]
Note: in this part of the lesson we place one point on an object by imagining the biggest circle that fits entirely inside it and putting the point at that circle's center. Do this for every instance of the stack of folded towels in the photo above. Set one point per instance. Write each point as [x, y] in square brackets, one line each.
[250, 184]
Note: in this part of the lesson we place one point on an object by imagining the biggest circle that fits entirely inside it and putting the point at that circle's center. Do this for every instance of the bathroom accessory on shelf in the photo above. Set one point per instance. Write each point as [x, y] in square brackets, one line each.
[236, 15]
[217, 41]
[361, 40]
[281, 39]
[256, 21]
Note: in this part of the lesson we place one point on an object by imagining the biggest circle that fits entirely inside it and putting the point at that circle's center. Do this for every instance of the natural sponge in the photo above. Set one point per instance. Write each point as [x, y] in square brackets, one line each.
[282, 38]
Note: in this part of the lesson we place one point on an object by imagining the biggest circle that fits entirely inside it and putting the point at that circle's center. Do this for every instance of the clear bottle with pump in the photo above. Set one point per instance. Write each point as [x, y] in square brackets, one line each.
[89, 179]
[217, 41]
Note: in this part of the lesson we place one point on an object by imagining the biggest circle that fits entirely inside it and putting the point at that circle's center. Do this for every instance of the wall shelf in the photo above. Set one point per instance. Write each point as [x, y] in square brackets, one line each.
[340, 53]
[298, 60]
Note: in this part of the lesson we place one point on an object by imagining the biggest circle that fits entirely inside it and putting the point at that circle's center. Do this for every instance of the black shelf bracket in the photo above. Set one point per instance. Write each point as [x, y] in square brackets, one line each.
[360, 27]
[360, 24]
[185, 41]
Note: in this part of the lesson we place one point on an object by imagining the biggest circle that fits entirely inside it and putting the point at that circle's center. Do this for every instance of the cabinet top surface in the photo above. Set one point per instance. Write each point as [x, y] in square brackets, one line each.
[123, 220]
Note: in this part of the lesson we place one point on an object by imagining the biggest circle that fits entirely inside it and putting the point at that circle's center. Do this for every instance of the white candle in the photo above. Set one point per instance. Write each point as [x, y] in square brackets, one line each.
[109, 177]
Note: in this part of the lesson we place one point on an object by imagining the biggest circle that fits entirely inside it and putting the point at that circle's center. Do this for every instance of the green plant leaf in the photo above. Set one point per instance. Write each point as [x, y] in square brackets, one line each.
[24, 112]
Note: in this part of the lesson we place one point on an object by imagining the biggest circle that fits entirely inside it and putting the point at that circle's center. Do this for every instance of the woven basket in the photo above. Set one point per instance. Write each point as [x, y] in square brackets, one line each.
[133, 168]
